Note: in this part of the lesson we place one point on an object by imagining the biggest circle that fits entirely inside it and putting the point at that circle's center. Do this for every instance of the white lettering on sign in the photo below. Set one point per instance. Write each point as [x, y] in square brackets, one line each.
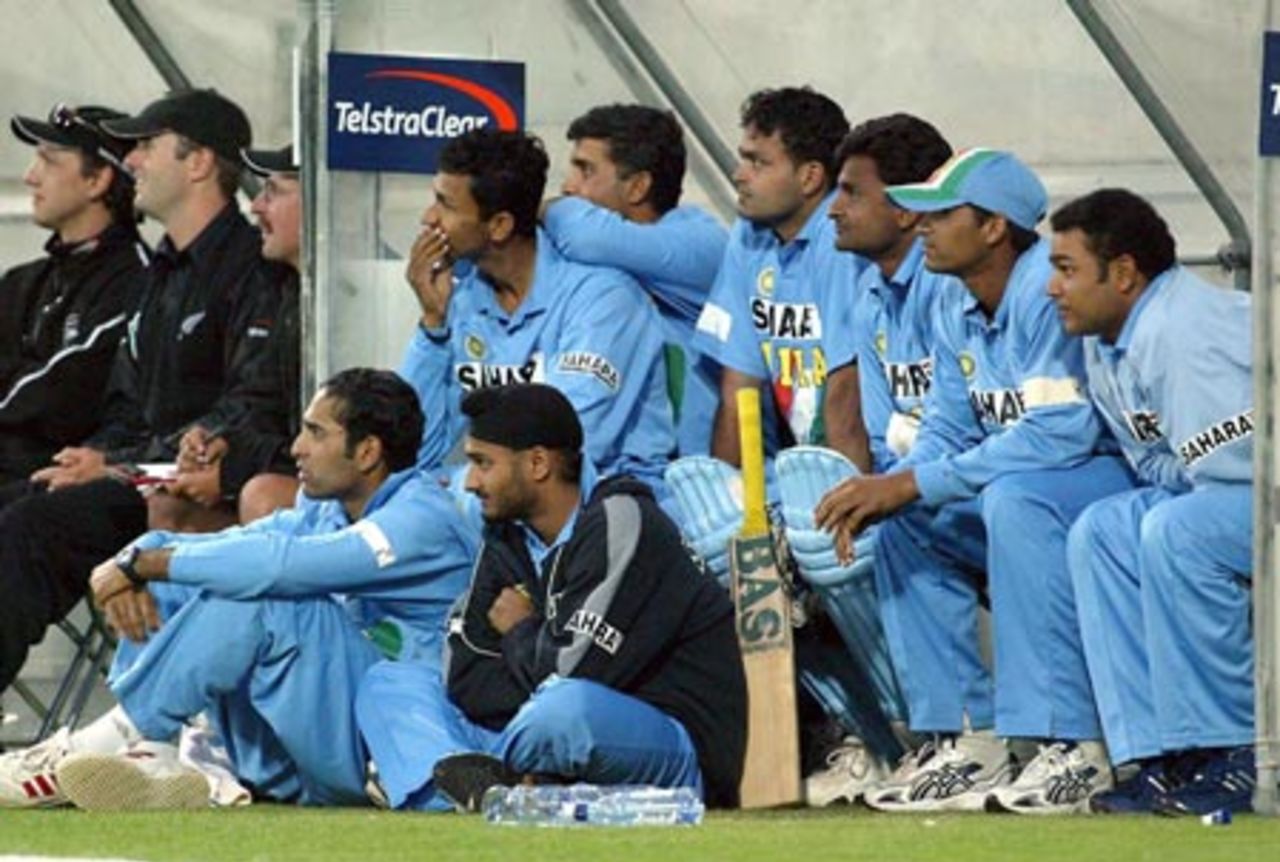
[1275, 100]
[433, 121]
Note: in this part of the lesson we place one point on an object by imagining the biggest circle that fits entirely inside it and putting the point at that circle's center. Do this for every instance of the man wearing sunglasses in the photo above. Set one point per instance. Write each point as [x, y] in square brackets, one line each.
[196, 352]
[63, 313]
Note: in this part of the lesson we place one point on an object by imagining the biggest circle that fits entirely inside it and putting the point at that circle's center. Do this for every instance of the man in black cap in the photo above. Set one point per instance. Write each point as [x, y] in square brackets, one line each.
[197, 351]
[591, 645]
[63, 313]
[239, 453]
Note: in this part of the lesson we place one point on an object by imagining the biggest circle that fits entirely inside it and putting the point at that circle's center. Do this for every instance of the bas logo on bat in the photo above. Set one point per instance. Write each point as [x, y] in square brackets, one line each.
[760, 621]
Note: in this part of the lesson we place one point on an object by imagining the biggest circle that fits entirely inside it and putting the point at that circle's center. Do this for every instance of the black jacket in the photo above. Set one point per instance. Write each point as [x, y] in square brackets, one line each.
[263, 444]
[199, 349]
[622, 603]
[61, 320]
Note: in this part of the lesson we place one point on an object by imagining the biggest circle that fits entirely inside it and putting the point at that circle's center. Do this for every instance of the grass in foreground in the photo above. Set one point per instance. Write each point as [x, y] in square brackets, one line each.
[276, 834]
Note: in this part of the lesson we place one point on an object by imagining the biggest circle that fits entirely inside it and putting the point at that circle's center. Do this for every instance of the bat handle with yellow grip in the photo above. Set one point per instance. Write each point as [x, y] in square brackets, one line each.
[754, 520]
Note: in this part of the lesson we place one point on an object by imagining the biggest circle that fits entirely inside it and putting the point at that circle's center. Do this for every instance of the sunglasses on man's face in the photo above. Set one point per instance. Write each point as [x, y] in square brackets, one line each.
[64, 116]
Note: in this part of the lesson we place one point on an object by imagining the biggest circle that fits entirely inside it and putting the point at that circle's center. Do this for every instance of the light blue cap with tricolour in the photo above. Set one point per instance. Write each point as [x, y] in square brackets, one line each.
[992, 179]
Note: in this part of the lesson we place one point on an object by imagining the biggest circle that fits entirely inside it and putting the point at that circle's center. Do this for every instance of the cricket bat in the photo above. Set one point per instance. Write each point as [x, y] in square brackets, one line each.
[763, 616]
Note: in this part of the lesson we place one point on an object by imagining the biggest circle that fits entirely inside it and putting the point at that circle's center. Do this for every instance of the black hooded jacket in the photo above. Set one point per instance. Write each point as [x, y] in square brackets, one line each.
[623, 603]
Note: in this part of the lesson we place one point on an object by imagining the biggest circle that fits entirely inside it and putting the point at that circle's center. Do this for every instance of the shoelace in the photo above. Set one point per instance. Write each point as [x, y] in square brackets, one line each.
[1051, 758]
[850, 758]
[39, 757]
[913, 760]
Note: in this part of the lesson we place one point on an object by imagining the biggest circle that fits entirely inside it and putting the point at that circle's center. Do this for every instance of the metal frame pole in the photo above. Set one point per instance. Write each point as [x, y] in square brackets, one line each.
[1266, 593]
[315, 40]
[1234, 256]
[167, 67]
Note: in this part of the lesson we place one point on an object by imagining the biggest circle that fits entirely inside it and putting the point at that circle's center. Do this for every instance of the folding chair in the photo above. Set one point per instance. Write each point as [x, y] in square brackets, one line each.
[94, 646]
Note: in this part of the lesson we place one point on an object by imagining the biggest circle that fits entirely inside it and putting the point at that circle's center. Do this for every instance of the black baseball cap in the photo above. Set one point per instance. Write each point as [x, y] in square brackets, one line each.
[78, 127]
[264, 162]
[205, 116]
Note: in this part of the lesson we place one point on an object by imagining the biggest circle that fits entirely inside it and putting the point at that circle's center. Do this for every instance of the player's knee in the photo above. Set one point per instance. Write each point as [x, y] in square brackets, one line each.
[264, 494]
[1009, 502]
[1085, 537]
[1166, 533]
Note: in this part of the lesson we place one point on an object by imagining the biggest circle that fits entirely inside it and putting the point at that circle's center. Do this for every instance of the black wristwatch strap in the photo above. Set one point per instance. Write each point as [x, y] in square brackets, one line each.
[127, 561]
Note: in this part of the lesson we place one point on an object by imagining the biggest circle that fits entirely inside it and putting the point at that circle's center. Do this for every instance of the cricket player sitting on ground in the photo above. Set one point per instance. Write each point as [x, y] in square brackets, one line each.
[778, 319]
[269, 627]
[592, 646]
[621, 209]
[899, 299]
[1162, 572]
[523, 313]
[1008, 430]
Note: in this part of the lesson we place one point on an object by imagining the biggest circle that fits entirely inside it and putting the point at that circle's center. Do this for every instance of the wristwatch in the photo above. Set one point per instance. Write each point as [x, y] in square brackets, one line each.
[127, 562]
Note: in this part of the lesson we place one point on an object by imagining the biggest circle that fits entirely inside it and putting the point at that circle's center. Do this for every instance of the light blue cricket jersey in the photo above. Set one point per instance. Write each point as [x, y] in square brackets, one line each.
[783, 312]
[894, 332]
[404, 561]
[1008, 394]
[675, 259]
[1176, 388]
[589, 331]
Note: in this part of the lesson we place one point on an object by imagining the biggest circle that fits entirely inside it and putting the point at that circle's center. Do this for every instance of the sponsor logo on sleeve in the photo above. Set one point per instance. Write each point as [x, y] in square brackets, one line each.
[1214, 437]
[593, 364]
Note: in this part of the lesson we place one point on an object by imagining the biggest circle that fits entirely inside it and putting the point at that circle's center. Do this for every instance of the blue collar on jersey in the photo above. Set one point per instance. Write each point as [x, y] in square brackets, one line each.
[538, 549]
[1001, 318]
[905, 275]
[538, 299]
[811, 230]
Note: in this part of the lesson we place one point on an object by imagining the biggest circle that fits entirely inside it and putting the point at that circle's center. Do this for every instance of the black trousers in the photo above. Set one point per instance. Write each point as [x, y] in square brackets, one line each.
[49, 544]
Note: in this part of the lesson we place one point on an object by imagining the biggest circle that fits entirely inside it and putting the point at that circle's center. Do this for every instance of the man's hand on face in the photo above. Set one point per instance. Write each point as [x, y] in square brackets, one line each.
[510, 608]
[430, 274]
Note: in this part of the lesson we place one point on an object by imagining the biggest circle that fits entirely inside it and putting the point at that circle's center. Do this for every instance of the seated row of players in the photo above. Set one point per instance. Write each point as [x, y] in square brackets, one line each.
[990, 428]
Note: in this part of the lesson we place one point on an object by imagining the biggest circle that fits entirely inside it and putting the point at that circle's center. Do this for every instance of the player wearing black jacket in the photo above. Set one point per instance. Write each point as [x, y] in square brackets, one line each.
[62, 315]
[199, 349]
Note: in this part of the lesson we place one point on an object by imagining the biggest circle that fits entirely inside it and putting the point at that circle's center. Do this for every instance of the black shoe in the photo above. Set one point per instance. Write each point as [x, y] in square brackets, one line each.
[1224, 782]
[463, 779]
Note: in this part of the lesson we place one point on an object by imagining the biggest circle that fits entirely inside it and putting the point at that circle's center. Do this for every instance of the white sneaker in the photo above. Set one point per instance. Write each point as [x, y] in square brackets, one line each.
[953, 774]
[1059, 781]
[850, 771]
[146, 776]
[27, 778]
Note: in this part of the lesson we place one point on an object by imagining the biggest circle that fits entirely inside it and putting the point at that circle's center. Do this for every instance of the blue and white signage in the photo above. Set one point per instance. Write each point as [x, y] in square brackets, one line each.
[1269, 123]
[391, 113]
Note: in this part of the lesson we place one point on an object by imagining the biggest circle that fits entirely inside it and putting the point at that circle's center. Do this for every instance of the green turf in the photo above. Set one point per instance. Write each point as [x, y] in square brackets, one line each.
[269, 834]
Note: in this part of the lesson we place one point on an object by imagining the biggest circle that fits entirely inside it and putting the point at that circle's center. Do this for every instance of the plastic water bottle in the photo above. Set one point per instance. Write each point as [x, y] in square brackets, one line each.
[592, 805]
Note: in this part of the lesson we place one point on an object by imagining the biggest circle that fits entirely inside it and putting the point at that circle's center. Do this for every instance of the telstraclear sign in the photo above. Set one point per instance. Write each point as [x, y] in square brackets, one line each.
[395, 113]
